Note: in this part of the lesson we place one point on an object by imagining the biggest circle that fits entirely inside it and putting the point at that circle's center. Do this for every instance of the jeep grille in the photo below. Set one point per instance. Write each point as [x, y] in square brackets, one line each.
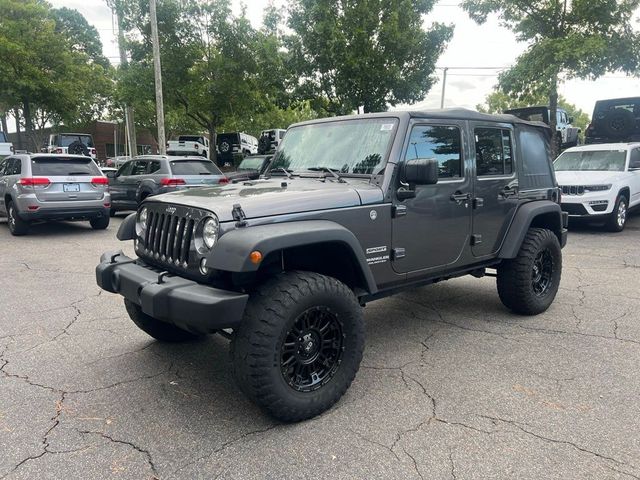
[573, 190]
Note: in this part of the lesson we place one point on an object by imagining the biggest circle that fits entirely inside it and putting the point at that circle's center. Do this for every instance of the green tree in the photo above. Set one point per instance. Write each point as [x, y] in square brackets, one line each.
[567, 39]
[45, 76]
[371, 53]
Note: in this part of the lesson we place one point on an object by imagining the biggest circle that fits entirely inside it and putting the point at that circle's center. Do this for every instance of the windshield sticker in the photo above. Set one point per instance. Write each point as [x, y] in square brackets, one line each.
[386, 127]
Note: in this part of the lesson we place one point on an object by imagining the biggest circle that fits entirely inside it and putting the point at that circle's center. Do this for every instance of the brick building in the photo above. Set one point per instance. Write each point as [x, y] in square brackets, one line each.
[108, 138]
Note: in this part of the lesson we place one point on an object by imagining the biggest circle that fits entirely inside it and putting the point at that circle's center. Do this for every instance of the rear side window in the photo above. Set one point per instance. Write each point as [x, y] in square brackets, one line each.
[194, 167]
[537, 171]
[55, 167]
[442, 143]
[494, 152]
[154, 166]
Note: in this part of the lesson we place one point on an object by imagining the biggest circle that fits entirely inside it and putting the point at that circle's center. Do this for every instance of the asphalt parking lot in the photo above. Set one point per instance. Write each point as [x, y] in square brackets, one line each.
[452, 386]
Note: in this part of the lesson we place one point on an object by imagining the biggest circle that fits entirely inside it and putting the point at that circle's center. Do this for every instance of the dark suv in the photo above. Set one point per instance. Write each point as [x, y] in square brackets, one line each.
[149, 175]
[355, 209]
[615, 121]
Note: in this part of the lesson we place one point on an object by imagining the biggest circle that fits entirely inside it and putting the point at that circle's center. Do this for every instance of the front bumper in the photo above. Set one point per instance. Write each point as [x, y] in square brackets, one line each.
[187, 304]
[587, 207]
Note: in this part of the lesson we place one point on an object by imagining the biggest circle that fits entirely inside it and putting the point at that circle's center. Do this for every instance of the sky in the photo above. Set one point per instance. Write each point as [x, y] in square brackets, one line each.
[475, 56]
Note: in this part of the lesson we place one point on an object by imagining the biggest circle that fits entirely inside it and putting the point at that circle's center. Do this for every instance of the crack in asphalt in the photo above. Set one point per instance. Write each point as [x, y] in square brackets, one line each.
[128, 443]
[226, 445]
[548, 331]
[415, 464]
[453, 465]
[600, 456]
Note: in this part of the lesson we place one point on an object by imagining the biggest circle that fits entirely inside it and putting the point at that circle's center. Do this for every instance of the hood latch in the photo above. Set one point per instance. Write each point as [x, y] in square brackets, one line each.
[239, 216]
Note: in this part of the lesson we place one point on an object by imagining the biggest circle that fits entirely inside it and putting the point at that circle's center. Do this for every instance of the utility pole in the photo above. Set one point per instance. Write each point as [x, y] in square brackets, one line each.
[444, 87]
[158, 75]
[129, 118]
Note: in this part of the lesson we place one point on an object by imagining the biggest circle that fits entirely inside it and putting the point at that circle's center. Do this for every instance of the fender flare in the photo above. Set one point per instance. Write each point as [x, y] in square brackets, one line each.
[522, 221]
[231, 253]
[127, 229]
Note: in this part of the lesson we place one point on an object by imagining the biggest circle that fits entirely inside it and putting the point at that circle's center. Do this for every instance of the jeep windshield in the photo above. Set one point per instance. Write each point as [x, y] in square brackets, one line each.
[595, 160]
[358, 147]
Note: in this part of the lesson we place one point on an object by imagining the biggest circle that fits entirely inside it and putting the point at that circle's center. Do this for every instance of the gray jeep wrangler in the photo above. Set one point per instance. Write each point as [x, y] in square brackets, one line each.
[354, 209]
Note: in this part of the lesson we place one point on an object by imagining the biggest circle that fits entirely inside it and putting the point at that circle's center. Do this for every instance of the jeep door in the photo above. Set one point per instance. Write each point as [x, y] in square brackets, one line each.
[634, 176]
[118, 185]
[495, 186]
[432, 229]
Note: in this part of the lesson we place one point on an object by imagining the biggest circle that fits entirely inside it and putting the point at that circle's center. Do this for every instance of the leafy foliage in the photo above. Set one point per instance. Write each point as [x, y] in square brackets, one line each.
[371, 53]
[567, 39]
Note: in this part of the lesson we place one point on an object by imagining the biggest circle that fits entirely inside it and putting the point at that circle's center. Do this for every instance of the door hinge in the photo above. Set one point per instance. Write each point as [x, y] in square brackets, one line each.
[398, 253]
[478, 202]
[476, 240]
[399, 211]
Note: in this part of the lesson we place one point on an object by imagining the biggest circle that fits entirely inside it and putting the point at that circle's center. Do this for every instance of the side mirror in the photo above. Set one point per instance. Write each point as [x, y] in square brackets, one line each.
[570, 119]
[111, 175]
[421, 171]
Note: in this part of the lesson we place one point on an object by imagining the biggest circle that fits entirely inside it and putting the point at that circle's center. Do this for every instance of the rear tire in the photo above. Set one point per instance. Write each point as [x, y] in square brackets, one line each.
[100, 223]
[162, 331]
[17, 226]
[299, 345]
[618, 218]
[112, 212]
[528, 284]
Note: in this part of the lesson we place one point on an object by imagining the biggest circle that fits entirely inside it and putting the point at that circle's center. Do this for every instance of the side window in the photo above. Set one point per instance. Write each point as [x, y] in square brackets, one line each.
[3, 164]
[139, 167]
[126, 169]
[443, 143]
[154, 166]
[494, 152]
[13, 166]
[634, 160]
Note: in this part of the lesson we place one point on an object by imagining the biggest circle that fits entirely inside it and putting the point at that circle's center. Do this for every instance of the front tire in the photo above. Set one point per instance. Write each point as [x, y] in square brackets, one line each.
[100, 223]
[299, 345]
[528, 284]
[618, 218]
[17, 226]
[162, 331]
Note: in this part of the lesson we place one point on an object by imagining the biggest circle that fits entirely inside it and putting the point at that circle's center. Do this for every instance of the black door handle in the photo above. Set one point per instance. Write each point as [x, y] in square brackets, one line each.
[509, 191]
[460, 197]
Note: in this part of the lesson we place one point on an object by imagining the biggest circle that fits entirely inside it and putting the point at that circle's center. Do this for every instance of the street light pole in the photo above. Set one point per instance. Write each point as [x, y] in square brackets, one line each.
[444, 87]
[158, 77]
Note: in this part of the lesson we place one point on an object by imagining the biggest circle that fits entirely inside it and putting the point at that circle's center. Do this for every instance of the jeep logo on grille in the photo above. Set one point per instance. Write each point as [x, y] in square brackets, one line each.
[171, 210]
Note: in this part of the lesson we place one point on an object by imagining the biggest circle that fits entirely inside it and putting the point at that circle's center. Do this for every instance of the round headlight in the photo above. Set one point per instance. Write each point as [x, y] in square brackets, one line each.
[210, 231]
[142, 218]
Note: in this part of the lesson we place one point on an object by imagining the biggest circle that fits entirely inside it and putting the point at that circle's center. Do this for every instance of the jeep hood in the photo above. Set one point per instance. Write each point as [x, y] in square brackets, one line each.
[276, 196]
[588, 178]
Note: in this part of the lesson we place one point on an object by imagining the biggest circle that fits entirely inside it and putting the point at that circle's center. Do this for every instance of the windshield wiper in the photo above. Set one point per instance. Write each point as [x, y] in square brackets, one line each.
[281, 169]
[332, 171]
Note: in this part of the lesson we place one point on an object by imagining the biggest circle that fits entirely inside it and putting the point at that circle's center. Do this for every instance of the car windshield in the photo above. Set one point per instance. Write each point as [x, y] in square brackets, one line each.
[66, 140]
[59, 167]
[194, 167]
[594, 160]
[349, 146]
[251, 163]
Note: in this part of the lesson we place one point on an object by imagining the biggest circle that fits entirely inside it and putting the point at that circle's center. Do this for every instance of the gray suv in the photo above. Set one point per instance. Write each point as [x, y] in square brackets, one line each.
[149, 175]
[355, 209]
[52, 187]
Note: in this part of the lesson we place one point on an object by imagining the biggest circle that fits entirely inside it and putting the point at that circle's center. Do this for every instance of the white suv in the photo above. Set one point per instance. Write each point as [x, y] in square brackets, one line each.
[600, 182]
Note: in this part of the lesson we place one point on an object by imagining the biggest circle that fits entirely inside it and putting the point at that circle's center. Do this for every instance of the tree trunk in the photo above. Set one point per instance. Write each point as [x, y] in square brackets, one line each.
[213, 151]
[3, 121]
[28, 126]
[16, 115]
[556, 141]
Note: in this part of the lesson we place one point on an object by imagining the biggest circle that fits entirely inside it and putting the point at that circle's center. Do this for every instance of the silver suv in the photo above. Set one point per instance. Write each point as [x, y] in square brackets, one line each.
[52, 187]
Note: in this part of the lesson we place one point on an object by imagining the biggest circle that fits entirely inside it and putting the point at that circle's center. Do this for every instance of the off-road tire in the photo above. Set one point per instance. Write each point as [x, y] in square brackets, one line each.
[112, 212]
[516, 277]
[17, 226]
[162, 331]
[100, 223]
[272, 311]
[618, 218]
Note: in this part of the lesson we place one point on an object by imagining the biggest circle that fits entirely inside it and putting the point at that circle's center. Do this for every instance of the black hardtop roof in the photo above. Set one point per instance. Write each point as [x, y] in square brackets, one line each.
[618, 100]
[445, 114]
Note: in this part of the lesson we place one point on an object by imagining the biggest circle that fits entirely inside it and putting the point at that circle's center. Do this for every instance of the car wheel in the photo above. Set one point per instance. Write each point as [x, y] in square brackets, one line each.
[528, 284]
[618, 218]
[17, 226]
[112, 212]
[299, 345]
[100, 223]
[162, 331]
